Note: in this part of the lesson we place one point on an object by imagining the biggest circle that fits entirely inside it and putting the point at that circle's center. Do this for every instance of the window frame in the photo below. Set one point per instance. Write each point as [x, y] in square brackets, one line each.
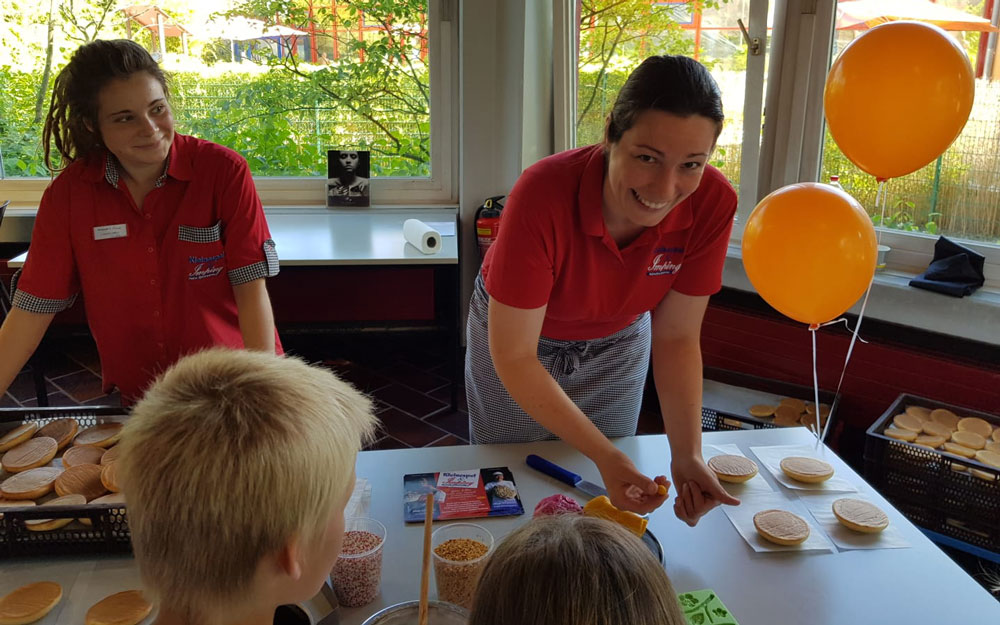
[440, 188]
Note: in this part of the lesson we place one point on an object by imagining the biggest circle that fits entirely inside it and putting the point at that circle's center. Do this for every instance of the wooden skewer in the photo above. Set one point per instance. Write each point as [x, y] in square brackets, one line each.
[425, 575]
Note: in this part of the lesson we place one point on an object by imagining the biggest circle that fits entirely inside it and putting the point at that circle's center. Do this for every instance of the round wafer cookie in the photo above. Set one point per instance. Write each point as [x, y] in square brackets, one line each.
[110, 498]
[733, 468]
[45, 525]
[82, 479]
[977, 425]
[30, 484]
[900, 434]
[63, 430]
[82, 454]
[983, 475]
[959, 450]
[924, 414]
[786, 415]
[111, 454]
[761, 411]
[17, 436]
[103, 435]
[993, 446]
[781, 527]
[906, 422]
[824, 409]
[968, 439]
[958, 468]
[29, 603]
[933, 428]
[809, 470]
[930, 441]
[32, 453]
[109, 476]
[996, 435]
[123, 608]
[945, 417]
[797, 405]
[990, 458]
[860, 515]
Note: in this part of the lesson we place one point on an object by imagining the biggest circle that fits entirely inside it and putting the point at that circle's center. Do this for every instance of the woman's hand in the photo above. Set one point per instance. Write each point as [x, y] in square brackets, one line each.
[628, 489]
[698, 489]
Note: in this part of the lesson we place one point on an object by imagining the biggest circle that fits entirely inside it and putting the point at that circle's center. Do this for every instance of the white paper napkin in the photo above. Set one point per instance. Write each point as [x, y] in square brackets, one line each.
[756, 484]
[772, 456]
[741, 517]
[821, 507]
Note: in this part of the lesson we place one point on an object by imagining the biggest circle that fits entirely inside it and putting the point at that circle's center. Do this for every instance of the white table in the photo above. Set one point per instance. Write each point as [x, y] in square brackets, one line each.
[919, 584]
[312, 237]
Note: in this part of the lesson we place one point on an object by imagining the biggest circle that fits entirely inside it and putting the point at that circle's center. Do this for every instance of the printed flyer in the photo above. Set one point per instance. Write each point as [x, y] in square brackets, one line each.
[462, 494]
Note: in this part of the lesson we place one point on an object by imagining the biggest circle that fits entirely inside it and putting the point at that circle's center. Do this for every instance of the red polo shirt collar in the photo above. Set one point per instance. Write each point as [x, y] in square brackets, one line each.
[591, 201]
[98, 162]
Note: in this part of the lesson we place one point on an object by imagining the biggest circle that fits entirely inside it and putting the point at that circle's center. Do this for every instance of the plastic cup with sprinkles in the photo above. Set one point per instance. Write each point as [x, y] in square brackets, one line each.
[358, 572]
[460, 552]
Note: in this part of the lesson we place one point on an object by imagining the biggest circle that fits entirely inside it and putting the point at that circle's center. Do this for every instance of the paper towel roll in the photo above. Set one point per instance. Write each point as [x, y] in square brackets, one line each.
[421, 236]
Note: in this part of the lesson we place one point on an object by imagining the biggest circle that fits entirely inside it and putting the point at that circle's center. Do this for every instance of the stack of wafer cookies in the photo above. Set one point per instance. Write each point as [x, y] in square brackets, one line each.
[942, 430]
[58, 463]
[790, 412]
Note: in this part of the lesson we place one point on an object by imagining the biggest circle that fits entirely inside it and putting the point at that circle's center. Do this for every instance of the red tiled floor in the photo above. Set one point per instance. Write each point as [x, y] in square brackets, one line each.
[411, 431]
[81, 386]
[23, 387]
[415, 377]
[448, 441]
[456, 423]
[409, 400]
[387, 442]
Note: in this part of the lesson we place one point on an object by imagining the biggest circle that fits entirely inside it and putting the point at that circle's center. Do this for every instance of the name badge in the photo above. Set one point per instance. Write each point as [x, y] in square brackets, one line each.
[116, 231]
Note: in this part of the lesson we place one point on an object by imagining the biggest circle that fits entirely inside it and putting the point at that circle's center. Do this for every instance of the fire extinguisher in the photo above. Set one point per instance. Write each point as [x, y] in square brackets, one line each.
[488, 223]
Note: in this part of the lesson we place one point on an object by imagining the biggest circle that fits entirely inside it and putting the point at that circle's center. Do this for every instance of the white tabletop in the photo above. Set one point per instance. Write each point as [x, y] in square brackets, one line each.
[919, 584]
[318, 236]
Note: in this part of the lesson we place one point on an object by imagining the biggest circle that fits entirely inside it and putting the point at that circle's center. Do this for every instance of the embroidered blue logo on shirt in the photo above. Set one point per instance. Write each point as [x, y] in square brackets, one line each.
[205, 266]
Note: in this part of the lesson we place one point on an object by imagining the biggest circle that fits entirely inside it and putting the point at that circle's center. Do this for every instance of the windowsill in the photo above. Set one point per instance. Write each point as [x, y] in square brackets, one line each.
[19, 218]
[975, 317]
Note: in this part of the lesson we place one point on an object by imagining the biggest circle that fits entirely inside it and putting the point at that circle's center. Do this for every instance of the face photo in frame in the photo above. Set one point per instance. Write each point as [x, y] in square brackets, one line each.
[348, 177]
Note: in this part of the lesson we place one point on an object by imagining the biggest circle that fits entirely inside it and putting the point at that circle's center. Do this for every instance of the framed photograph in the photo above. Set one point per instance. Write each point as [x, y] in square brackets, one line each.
[348, 174]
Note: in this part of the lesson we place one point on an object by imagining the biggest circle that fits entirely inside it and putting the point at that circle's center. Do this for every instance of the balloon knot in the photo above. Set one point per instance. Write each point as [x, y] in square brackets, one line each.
[813, 327]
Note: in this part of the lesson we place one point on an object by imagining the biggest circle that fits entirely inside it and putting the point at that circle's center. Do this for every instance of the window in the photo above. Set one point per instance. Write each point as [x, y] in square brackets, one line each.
[326, 74]
[957, 195]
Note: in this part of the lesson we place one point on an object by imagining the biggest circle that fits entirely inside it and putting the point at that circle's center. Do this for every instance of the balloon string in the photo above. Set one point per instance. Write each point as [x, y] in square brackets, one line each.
[880, 200]
[819, 438]
[846, 323]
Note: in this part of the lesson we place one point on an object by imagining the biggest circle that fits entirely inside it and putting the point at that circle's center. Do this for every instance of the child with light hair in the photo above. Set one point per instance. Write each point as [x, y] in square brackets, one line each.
[236, 468]
[568, 569]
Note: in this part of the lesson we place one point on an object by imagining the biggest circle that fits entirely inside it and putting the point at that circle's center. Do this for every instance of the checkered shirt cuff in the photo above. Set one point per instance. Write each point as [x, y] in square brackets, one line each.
[30, 303]
[266, 268]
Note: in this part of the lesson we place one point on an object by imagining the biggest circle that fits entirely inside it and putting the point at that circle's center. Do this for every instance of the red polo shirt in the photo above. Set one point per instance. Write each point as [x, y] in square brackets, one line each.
[554, 248]
[158, 282]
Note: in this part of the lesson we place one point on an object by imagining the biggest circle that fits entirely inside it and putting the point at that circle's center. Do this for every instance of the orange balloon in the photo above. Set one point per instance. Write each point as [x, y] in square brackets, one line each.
[897, 97]
[810, 250]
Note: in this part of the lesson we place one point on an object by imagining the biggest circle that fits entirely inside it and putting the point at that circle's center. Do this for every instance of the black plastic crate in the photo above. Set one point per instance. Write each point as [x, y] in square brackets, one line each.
[925, 486]
[714, 421]
[108, 532]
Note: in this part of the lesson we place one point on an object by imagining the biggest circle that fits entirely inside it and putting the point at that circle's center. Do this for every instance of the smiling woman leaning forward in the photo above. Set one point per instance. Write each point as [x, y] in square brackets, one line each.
[607, 255]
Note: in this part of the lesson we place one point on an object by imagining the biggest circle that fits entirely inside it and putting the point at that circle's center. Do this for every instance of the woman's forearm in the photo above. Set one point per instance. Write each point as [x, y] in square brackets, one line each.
[539, 395]
[20, 335]
[255, 315]
[677, 372]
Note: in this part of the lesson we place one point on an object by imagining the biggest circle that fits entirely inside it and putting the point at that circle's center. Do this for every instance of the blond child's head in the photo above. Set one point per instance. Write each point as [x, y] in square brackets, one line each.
[574, 570]
[236, 467]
